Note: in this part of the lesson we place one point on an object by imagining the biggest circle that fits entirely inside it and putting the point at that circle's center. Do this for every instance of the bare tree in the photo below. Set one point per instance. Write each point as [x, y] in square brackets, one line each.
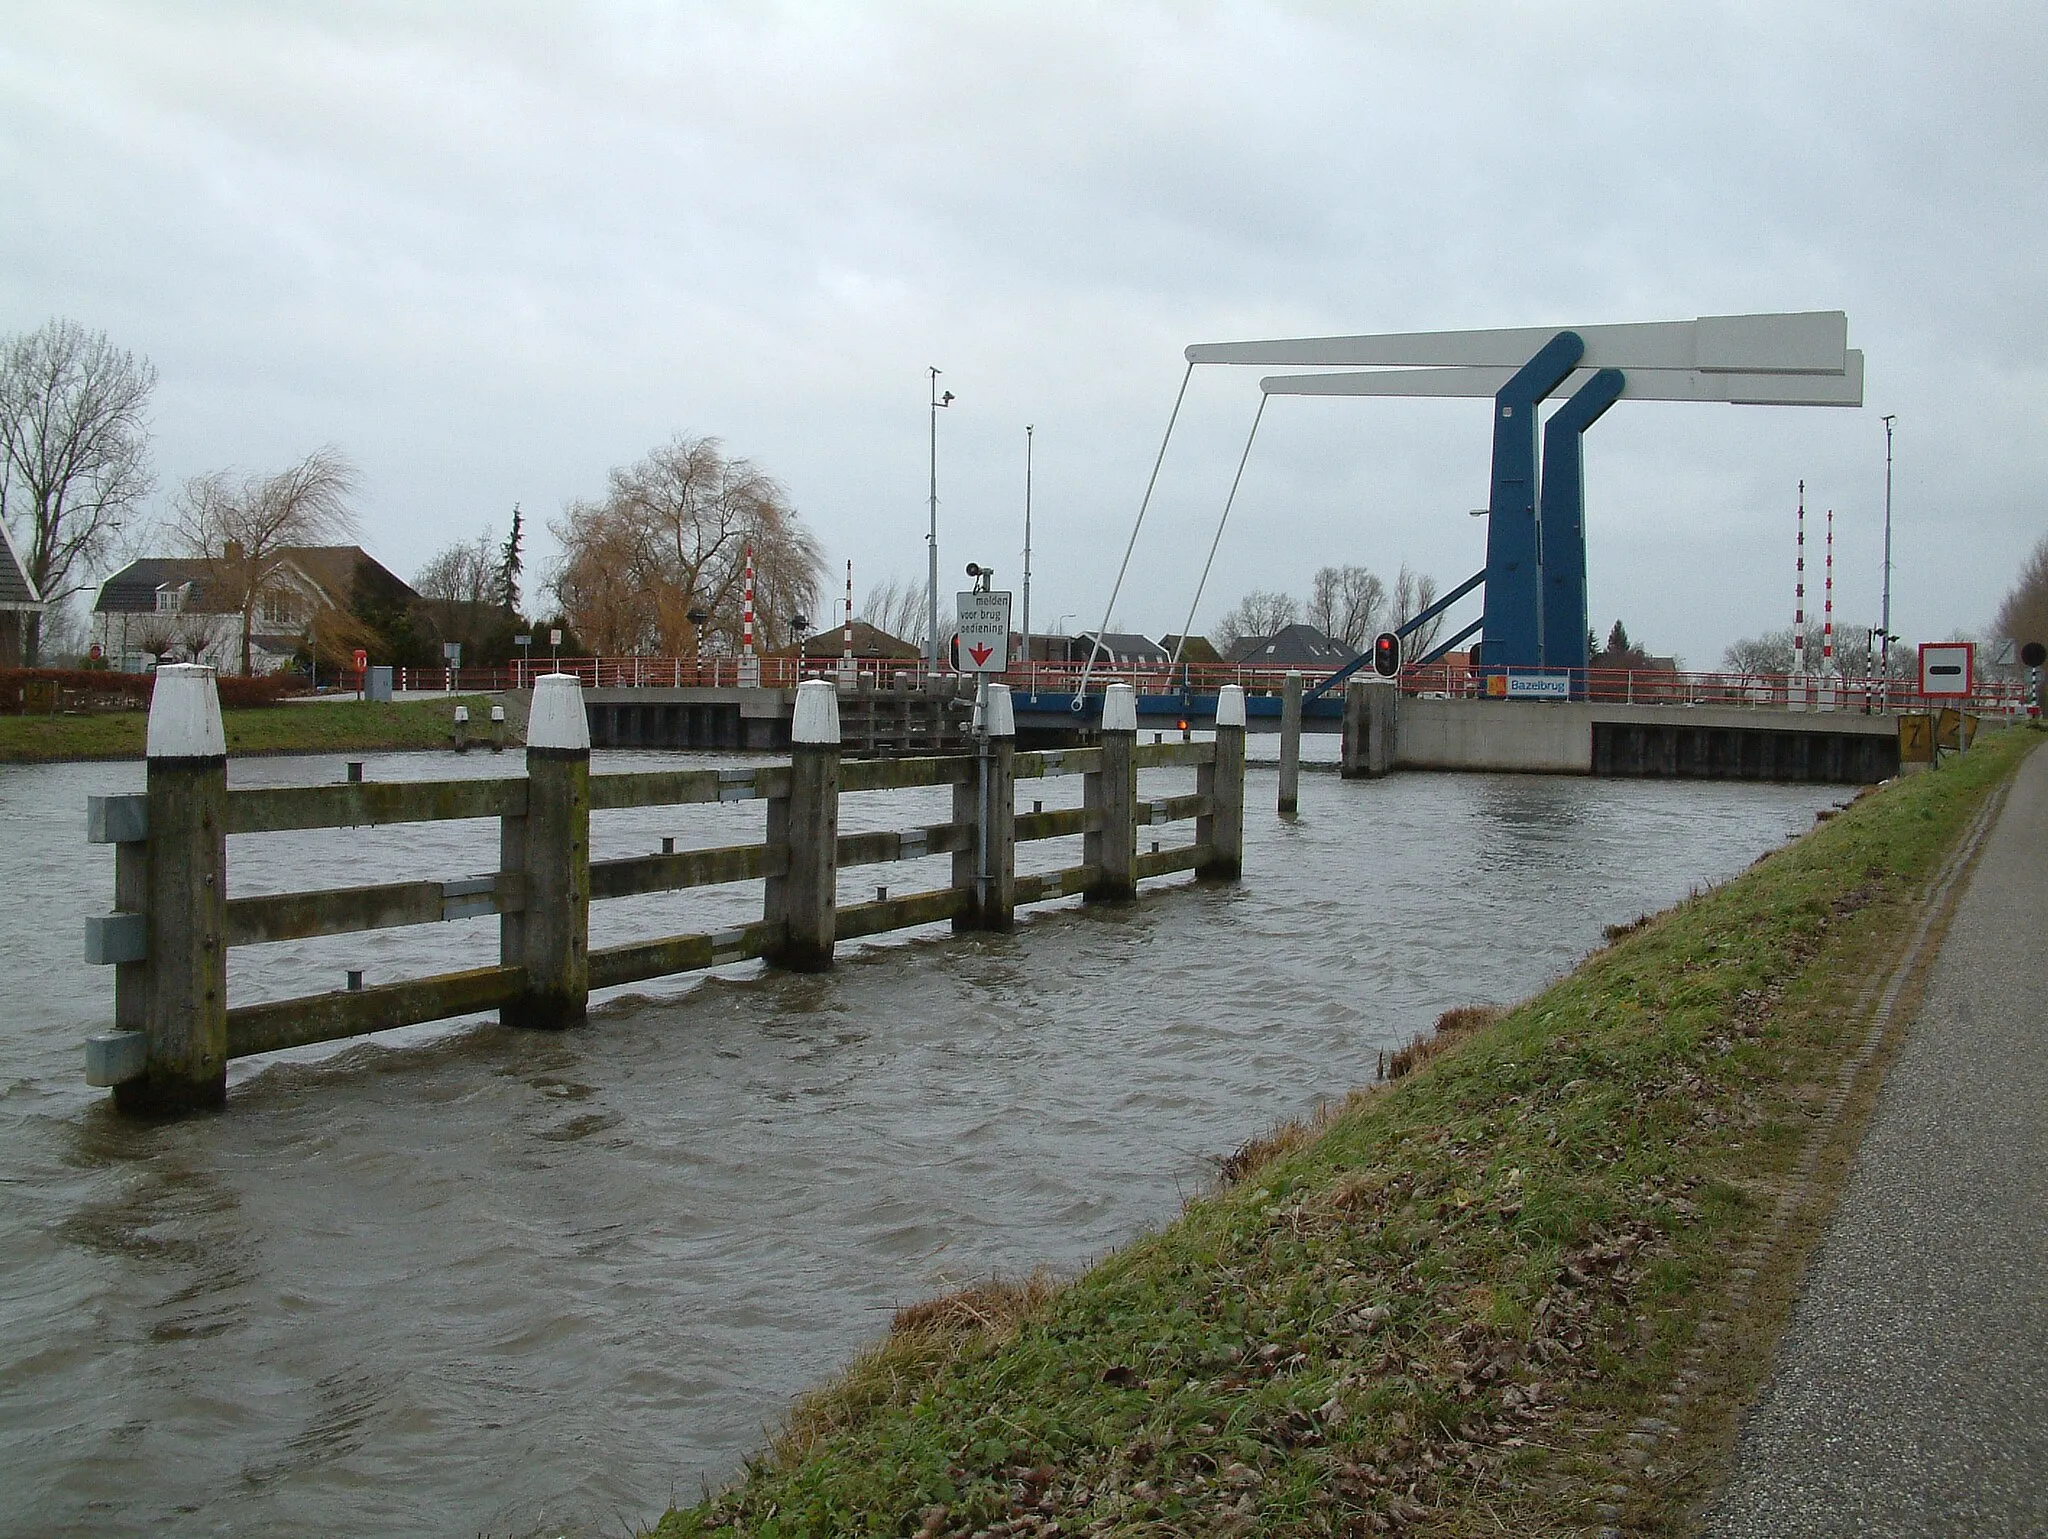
[1413, 593]
[1346, 602]
[74, 450]
[242, 525]
[670, 536]
[463, 587]
[1258, 613]
[2023, 615]
[897, 608]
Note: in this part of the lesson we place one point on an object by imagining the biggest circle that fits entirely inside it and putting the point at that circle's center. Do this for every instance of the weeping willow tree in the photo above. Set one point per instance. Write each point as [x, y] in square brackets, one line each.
[670, 537]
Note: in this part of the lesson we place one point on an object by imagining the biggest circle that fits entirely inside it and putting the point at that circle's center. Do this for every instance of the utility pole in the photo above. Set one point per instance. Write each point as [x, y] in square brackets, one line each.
[1030, 671]
[1885, 618]
[931, 643]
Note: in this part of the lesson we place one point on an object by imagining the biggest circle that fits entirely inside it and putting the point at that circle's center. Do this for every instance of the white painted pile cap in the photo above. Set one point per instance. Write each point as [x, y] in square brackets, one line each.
[184, 714]
[557, 719]
[1119, 709]
[1230, 706]
[817, 714]
[1002, 714]
[461, 715]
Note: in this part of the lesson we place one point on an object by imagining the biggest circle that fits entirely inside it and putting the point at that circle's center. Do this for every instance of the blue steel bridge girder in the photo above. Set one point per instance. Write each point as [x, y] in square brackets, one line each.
[1513, 625]
[1562, 523]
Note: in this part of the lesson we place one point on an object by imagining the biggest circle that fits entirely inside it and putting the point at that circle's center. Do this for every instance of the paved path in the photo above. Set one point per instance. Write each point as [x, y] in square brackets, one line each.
[1910, 1396]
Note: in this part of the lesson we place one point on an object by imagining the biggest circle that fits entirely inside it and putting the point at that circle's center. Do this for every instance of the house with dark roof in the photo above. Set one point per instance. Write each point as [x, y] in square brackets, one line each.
[1118, 649]
[18, 600]
[1292, 646]
[870, 644]
[169, 608]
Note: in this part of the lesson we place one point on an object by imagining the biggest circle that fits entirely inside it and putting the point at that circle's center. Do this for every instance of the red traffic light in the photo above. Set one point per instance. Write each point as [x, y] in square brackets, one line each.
[1386, 654]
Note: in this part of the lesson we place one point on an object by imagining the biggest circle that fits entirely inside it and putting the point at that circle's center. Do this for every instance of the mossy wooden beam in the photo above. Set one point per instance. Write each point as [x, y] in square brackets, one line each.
[1174, 755]
[359, 804]
[912, 844]
[283, 1023]
[1055, 825]
[638, 961]
[860, 919]
[686, 868]
[900, 774]
[1184, 857]
[345, 910]
[1046, 763]
[1173, 809]
[1041, 886]
[670, 788]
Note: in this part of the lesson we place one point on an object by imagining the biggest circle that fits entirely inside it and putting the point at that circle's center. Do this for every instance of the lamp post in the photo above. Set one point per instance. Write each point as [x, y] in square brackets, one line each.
[1031, 669]
[931, 646]
[1886, 617]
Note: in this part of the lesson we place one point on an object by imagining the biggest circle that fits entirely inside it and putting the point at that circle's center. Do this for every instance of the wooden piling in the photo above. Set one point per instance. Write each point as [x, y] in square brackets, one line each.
[183, 975]
[1290, 742]
[801, 902]
[987, 868]
[1221, 782]
[549, 846]
[1110, 796]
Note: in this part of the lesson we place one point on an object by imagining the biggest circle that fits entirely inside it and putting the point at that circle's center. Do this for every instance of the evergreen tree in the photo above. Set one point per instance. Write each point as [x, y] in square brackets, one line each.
[511, 564]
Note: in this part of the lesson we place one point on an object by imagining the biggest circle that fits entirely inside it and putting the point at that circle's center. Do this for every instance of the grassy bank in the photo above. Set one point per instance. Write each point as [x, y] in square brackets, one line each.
[325, 726]
[1445, 1307]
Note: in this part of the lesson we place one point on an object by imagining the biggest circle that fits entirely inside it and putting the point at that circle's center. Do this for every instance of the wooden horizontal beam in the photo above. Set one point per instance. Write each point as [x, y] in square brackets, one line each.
[678, 788]
[371, 804]
[346, 910]
[1039, 886]
[1172, 809]
[897, 774]
[1045, 763]
[638, 961]
[1183, 857]
[1058, 824]
[686, 868]
[281, 1023]
[911, 844]
[858, 919]
[1163, 755]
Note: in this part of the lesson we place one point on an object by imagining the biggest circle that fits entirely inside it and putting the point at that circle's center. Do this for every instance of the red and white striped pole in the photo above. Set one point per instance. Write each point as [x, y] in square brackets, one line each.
[1827, 624]
[1799, 594]
[750, 665]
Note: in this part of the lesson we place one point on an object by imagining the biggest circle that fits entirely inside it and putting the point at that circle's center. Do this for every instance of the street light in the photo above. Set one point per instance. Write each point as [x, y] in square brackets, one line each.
[932, 538]
[1886, 617]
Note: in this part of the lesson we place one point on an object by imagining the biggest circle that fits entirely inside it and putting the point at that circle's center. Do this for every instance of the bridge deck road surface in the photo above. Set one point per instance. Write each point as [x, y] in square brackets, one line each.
[1910, 1394]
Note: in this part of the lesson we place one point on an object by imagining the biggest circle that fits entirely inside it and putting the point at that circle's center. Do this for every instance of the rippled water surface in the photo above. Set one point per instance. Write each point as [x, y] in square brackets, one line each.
[462, 1280]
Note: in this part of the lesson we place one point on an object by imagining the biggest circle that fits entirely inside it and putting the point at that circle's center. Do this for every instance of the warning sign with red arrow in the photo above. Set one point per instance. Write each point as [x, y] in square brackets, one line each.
[984, 632]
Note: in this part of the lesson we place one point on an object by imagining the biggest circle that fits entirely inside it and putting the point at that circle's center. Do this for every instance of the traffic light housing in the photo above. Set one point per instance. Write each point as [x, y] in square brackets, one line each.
[1386, 654]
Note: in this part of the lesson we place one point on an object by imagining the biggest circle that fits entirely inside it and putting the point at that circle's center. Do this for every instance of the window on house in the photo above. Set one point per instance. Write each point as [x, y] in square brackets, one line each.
[169, 600]
[277, 609]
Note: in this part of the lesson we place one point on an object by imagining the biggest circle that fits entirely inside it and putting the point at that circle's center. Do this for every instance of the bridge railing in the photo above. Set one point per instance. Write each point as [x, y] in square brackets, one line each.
[173, 921]
[1639, 686]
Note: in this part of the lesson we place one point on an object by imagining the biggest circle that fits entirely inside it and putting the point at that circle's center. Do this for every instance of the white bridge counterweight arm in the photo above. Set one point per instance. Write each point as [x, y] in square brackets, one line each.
[1844, 389]
[1797, 342]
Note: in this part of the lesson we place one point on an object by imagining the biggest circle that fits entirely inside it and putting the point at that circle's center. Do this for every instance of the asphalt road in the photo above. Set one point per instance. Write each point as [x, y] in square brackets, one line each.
[1910, 1396]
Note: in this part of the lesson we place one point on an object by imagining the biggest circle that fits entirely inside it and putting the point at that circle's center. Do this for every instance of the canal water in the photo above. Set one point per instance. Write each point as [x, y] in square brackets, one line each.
[462, 1281]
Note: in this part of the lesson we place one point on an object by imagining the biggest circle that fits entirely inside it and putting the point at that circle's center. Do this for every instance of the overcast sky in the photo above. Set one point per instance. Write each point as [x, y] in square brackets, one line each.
[491, 251]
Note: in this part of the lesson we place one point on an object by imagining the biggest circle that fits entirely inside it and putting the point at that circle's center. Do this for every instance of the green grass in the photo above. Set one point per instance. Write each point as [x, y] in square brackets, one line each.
[1440, 1309]
[327, 726]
